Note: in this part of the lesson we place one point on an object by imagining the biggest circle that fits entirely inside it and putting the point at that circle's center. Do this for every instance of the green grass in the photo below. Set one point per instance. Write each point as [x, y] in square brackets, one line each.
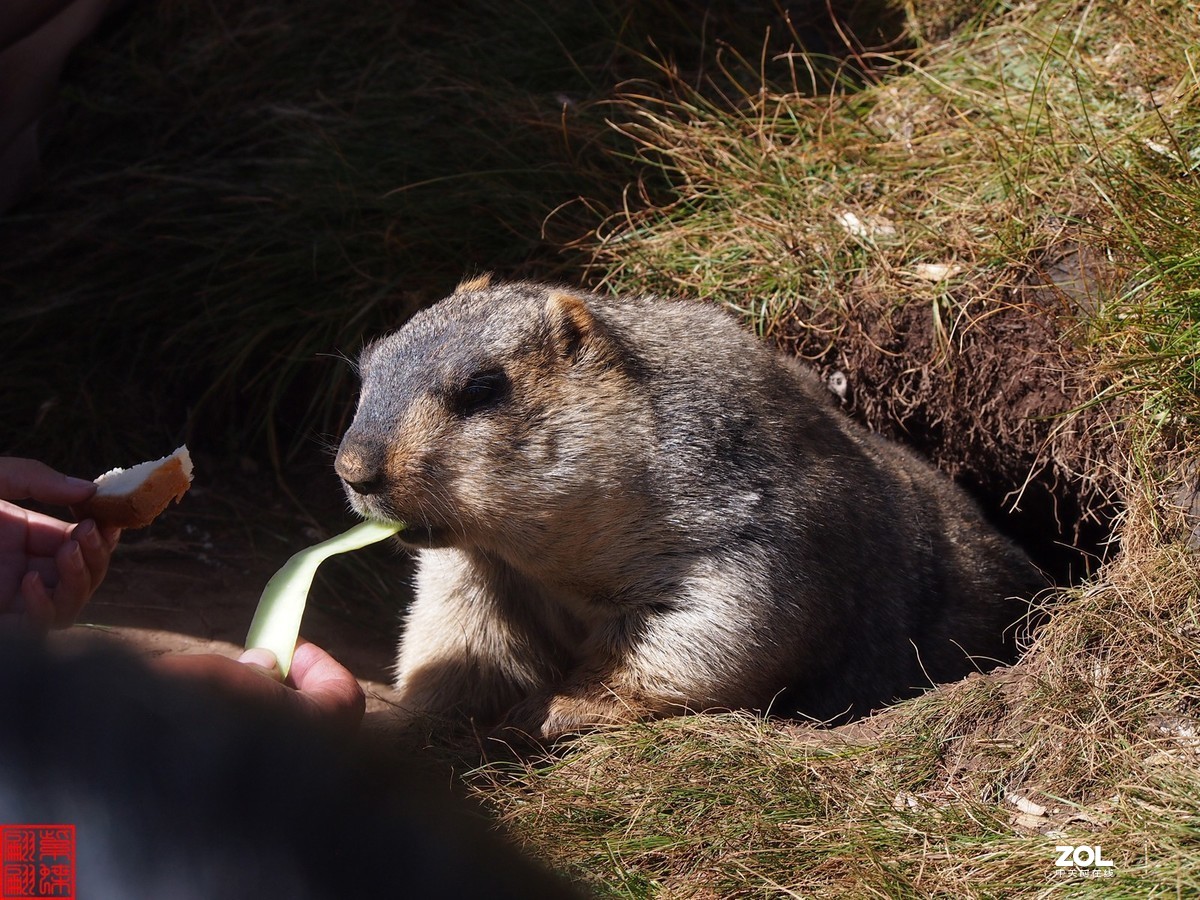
[1149, 333]
[978, 153]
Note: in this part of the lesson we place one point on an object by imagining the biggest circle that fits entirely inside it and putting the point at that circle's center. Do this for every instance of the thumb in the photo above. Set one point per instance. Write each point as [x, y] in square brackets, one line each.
[28, 479]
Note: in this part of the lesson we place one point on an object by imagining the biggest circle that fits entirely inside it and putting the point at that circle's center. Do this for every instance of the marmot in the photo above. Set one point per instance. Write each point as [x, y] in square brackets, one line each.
[629, 507]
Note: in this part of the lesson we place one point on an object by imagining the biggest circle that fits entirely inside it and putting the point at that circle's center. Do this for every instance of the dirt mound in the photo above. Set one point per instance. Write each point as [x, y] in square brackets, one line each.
[985, 386]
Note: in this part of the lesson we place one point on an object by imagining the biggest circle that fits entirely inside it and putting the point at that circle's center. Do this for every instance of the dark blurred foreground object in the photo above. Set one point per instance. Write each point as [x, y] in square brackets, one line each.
[177, 791]
[36, 37]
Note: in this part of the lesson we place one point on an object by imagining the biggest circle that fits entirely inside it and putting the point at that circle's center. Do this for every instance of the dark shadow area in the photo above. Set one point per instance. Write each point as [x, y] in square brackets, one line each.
[177, 790]
[234, 195]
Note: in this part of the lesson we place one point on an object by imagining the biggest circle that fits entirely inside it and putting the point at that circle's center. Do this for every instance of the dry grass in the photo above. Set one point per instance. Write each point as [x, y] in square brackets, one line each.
[965, 792]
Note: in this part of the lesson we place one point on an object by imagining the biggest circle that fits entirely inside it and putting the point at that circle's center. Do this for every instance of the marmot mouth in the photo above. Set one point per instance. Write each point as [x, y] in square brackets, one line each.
[412, 533]
[422, 534]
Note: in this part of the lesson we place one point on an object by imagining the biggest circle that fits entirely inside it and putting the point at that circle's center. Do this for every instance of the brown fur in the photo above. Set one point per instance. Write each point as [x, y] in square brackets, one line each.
[628, 507]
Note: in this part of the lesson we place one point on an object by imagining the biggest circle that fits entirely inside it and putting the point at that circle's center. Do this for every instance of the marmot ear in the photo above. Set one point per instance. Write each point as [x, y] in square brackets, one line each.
[474, 283]
[573, 328]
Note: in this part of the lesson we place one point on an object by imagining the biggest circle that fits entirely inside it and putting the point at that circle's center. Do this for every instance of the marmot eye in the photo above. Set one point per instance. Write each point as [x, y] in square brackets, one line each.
[481, 391]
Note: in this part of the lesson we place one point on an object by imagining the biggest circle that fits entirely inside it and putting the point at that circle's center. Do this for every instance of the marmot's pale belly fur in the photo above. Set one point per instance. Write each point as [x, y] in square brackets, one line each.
[629, 507]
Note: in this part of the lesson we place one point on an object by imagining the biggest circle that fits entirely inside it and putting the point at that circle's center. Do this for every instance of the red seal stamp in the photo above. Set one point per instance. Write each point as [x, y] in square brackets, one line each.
[37, 861]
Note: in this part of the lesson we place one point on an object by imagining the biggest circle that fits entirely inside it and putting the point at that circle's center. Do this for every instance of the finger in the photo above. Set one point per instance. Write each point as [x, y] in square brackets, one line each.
[255, 675]
[264, 659]
[332, 689]
[29, 479]
[244, 681]
[74, 584]
[111, 536]
[251, 679]
[39, 607]
[44, 535]
[97, 549]
[47, 569]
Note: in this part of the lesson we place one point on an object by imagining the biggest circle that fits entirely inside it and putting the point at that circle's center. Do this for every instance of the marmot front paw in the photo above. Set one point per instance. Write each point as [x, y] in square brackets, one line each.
[547, 717]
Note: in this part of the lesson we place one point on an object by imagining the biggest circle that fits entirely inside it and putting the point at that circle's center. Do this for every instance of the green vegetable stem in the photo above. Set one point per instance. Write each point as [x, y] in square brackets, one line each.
[276, 623]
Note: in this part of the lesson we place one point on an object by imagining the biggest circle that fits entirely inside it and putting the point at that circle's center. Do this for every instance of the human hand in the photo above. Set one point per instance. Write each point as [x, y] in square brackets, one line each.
[317, 686]
[48, 568]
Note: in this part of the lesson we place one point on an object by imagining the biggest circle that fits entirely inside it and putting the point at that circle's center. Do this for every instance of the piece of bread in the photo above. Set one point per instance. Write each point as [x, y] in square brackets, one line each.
[134, 497]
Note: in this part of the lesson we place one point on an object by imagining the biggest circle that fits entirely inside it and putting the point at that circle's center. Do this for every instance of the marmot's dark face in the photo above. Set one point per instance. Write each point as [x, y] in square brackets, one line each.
[482, 422]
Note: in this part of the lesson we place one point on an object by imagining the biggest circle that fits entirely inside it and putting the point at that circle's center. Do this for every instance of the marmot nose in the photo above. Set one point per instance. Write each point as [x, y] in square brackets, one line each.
[360, 467]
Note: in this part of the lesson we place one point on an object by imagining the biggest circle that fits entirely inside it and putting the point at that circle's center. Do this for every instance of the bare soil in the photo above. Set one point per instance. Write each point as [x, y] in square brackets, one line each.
[988, 387]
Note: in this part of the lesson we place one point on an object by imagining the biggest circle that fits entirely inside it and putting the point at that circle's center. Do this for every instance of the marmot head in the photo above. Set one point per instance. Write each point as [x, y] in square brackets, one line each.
[491, 418]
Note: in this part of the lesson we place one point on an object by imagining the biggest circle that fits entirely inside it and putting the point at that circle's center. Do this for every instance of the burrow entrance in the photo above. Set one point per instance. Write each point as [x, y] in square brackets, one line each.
[1000, 407]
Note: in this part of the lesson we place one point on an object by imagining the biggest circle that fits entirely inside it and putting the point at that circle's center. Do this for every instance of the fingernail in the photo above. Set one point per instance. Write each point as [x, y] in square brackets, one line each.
[261, 657]
[74, 482]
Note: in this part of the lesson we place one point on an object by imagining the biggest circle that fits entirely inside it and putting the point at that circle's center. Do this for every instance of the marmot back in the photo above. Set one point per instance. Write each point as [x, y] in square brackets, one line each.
[629, 507]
